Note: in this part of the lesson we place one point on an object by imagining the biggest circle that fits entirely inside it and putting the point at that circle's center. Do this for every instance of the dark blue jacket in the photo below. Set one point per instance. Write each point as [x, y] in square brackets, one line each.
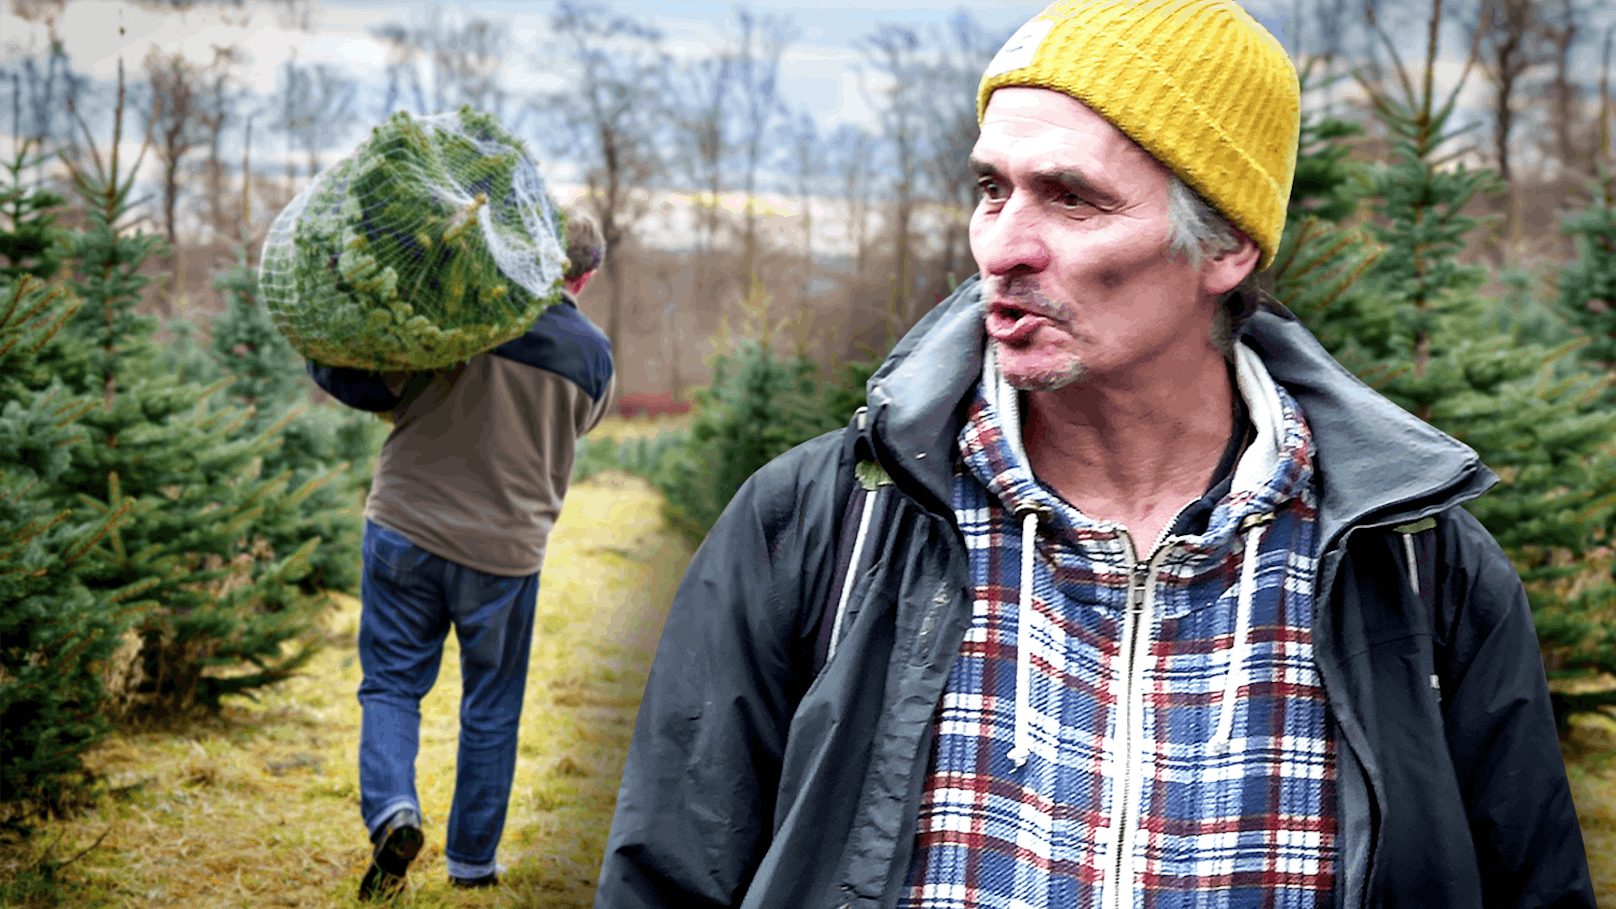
[561, 340]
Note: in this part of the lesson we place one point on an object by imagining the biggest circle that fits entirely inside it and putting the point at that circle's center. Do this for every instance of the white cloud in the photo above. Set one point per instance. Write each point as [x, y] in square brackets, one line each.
[852, 102]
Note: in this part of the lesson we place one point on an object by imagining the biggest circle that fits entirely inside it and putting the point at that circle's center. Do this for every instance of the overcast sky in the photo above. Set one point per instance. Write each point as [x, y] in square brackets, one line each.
[819, 67]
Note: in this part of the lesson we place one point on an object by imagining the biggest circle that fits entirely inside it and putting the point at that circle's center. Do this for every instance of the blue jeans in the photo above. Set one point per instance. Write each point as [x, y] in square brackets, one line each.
[409, 599]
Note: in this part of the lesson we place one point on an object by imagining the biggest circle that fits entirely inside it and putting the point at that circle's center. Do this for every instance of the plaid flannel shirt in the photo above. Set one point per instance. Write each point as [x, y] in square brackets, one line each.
[1249, 821]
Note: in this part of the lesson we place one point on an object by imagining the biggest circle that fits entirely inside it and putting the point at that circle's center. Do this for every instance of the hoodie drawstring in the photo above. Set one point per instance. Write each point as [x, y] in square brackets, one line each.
[1263, 402]
[1222, 735]
[1021, 742]
[852, 570]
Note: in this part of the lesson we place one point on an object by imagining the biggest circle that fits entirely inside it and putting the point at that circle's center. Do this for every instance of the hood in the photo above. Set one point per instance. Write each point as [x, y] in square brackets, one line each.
[1376, 463]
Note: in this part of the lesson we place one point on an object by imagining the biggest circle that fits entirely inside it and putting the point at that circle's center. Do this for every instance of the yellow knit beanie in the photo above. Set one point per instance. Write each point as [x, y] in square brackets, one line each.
[1196, 83]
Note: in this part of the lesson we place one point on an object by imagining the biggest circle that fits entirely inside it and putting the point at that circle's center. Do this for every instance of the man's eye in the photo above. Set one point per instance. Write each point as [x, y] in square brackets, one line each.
[990, 189]
[1067, 199]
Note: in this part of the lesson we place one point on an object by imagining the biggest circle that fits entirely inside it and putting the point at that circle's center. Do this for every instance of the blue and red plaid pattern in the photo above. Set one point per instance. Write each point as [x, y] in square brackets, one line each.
[1254, 826]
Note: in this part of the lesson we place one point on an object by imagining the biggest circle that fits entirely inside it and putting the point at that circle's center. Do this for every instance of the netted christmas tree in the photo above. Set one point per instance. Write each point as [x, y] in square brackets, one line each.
[434, 241]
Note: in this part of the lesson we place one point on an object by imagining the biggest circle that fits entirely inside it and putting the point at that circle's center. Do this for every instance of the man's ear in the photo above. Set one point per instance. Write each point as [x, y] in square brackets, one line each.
[576, 285]
[1223, 273]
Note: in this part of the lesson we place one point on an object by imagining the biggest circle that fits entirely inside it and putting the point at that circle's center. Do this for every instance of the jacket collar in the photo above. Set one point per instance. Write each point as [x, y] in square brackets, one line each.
[1376, 463]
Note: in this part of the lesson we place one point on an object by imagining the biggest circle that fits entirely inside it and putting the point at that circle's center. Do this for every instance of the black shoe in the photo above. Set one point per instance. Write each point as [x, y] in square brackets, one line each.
[490, 879]
[396, 846]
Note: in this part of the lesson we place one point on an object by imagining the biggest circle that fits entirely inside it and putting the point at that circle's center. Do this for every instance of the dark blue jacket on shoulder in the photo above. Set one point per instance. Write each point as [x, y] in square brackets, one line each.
[562, 340]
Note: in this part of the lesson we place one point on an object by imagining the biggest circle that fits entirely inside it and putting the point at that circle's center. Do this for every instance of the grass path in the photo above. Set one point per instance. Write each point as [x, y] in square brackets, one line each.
[1591, 765]
[259, 807]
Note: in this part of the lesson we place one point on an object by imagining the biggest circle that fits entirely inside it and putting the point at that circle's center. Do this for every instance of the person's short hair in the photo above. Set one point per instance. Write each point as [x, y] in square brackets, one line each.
[1195, 230]
[586, 247]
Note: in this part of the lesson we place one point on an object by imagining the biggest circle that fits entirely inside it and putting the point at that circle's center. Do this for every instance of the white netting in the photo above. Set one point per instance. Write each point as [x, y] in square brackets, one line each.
[434, 241]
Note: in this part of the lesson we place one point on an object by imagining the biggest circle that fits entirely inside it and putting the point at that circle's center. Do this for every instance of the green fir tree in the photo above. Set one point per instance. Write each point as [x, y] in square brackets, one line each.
[31, 241]
[54, 631]
[1587, 286]
[218, 542]
[1416, 325]
[1323, 254]
[759, 403]
[267, 377]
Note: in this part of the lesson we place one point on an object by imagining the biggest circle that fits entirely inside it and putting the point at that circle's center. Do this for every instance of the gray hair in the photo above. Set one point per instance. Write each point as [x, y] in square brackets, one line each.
[1196, 230]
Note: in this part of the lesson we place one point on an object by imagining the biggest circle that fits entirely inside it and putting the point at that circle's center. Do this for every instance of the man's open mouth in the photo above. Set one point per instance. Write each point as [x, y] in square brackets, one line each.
[1012, 323]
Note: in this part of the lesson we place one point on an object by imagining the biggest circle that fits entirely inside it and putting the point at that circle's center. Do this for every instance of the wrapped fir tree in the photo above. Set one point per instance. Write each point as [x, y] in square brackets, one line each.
[434, 241]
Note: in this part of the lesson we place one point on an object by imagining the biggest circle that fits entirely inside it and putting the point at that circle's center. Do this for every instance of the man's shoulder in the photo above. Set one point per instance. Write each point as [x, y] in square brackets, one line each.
[805, 467]
[797, 488]
[1468, 549]
[813, 456]
[563, 341]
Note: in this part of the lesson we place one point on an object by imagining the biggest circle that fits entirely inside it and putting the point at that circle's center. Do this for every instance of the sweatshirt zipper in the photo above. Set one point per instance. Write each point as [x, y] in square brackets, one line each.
[1135, 635]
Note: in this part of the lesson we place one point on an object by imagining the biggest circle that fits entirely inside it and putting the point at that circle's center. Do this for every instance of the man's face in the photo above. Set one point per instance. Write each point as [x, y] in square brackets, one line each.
[1071, 237]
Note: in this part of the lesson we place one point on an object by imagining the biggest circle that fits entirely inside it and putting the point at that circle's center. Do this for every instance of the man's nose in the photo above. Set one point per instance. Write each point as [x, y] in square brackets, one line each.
[1009, 238]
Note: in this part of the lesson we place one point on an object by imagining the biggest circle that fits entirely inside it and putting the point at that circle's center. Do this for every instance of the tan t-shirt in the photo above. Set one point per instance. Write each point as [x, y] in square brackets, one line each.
[477, 464]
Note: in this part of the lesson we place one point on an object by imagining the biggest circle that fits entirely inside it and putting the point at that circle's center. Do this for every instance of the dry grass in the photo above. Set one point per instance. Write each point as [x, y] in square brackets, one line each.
[1591, 764]
[259, 806]
[618, 429]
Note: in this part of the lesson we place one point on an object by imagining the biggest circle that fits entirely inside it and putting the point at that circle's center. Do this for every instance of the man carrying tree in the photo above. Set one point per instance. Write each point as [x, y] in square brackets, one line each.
[1121, 592]
[466, 491]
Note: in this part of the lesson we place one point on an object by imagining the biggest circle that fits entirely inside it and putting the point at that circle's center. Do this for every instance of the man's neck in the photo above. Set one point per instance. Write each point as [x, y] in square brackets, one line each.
[1136, 453]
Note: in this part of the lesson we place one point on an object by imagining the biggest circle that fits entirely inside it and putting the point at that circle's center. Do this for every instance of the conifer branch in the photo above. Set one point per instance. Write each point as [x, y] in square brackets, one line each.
[1349, 281]
[1282, 268]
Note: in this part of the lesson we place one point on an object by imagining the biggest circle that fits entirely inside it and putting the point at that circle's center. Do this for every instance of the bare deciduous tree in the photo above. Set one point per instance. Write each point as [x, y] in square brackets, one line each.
[446, 63]
[1561, 28]
[39, 87]
[175, 129]
[807, 148]
[950, 133]
[854, 151]
[698, 96]
[317, 103]
[221, 100]
[611, 117]
[1511, 44]
[762, 40]
[893, 52]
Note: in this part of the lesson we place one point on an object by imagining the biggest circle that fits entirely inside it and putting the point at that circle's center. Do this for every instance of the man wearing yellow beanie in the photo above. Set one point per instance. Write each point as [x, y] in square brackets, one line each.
[1121, 592]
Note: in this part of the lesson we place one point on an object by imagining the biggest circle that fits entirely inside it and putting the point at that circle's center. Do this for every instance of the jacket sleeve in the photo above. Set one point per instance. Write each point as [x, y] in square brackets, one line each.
[601, 406]
[376, 392]
[1500, 730]
[695, 810]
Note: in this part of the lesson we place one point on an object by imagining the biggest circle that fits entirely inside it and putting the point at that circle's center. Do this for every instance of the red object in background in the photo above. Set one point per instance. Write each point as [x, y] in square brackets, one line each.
[638, 403]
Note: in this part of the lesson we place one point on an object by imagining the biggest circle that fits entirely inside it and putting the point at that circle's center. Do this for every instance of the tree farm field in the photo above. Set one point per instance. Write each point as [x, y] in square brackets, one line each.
[258, 806]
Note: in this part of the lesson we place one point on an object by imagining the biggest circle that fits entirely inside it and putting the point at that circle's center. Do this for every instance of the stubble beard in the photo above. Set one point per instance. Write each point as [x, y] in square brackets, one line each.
[1054, 376]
